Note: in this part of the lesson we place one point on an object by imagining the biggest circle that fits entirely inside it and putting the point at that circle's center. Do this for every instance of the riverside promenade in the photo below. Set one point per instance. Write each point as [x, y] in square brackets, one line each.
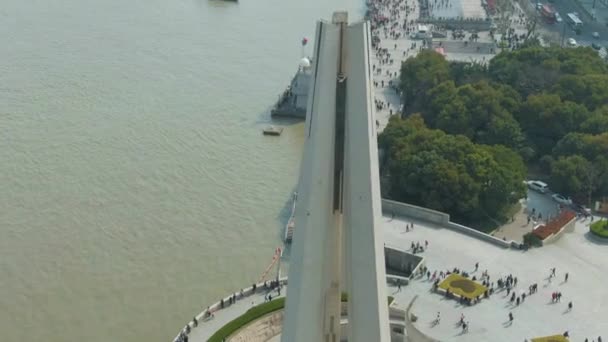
[579, 254]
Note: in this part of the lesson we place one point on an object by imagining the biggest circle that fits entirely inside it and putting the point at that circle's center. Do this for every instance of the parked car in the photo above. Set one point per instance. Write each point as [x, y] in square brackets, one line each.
[558, 17]
[595, 35]
[561, 199]
[539, 6]
[539, 186]
[572, 42]
[582, 209]
[596, 46]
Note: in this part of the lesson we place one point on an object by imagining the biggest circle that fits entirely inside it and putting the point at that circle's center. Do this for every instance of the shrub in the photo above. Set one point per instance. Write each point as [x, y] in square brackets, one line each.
[257, 312]
[600, 228]
[249, 316]
[532, 240]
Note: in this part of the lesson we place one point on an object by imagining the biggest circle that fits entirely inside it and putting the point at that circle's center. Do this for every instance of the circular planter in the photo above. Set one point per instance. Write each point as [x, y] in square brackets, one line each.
[600, 229]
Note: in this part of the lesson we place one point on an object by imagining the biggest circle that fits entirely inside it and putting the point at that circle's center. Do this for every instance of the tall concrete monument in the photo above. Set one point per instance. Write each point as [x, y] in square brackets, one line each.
[338, 245]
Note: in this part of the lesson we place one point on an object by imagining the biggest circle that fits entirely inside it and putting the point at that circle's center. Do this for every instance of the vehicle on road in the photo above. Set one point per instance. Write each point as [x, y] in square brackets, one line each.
[561, 199]
[582, 209]
[574, 20]
[596, 46]
[558, 17]
[595, 35]
[539, 6]
[539, 186]
[572, 42]
[548, 13]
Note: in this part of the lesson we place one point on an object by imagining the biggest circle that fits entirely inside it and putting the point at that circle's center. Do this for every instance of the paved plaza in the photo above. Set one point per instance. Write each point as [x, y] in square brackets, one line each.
[399, 44]
[578, 254]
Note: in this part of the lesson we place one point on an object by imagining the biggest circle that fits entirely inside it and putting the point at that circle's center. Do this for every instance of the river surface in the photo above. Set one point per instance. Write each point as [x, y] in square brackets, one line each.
[135, 185]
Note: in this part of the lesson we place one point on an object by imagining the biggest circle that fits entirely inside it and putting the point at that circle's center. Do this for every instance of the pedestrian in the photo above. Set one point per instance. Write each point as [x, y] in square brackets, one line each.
[195, 321]
[476, 266]
[566, 278]
[570, 306]
[398, 285]
[510, 317]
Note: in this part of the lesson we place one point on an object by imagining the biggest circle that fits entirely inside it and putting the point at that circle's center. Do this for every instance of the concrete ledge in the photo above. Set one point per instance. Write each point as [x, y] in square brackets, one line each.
[413, 334]
[480, 235]
[206, 314]
[420, 213]
[391, 207]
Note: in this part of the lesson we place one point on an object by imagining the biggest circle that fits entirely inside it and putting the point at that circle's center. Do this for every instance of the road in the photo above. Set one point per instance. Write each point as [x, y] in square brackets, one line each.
[563, 7]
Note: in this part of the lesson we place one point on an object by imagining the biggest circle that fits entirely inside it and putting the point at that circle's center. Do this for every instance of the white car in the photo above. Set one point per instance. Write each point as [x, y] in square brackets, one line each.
[558, 17]
[572, 42]
[539, 186]
[561, 199]
[595, 35]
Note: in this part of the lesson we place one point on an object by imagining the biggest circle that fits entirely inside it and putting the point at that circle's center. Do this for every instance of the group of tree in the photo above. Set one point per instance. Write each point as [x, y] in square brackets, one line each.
[547, 106]
[449, 172]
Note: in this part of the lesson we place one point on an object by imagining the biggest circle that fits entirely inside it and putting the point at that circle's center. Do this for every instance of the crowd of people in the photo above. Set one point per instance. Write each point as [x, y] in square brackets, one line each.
[506, 283]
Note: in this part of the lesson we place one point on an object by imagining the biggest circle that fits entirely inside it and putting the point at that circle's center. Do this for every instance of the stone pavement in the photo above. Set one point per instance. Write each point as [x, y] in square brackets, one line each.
[221, 317]
[578, 254]
[399, 45]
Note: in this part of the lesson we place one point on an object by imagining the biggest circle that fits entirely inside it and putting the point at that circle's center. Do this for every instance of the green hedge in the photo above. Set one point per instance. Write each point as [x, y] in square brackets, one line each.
[600, 228]
[249, 316]
[257, 312]
[532, 240]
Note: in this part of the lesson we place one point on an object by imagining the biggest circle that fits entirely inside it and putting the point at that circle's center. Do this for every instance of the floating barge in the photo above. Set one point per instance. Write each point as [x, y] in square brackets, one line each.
[273, 130]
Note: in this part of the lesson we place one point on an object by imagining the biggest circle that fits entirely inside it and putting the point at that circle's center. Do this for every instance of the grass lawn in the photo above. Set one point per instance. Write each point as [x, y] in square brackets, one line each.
[462, 286]
[600, 228]
[248, 317]
[257, 312]
[554, 338]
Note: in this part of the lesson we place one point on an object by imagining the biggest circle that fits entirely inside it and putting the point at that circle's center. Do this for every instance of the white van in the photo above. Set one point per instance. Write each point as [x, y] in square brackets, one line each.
[538, 186]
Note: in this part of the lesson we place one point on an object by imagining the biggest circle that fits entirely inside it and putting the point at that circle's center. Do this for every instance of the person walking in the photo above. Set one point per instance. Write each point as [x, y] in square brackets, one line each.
[570, 306]
[566, 278]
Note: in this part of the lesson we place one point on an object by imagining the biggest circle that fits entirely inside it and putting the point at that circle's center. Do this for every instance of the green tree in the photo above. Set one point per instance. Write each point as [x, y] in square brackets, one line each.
[534, 69]
[597, 123]
[419, 74]
[449, 173]
[569, 175]
[589, 90]
[546, 119]
[505, 184]
[592, 148]
[586, 145]
[465, 72]
[479, 111]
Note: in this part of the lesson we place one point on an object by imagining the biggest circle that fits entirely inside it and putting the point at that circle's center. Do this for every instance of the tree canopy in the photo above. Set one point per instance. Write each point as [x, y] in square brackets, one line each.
[479, 111]
[450, 173]
[545, 106]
